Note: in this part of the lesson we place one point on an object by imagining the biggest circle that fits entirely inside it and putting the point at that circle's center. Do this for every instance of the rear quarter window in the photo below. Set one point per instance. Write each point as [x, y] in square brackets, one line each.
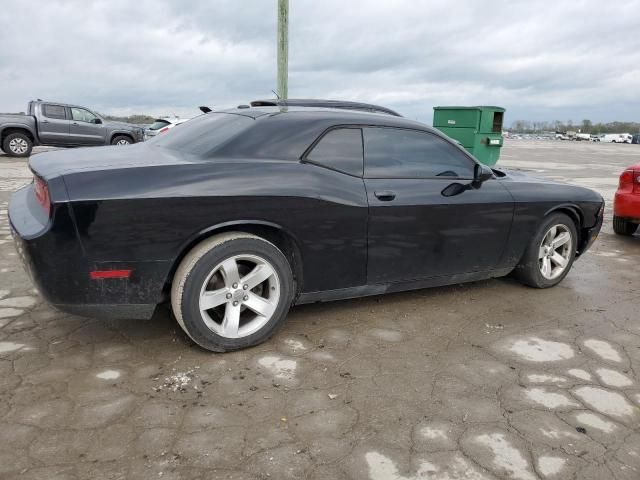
[340, 149]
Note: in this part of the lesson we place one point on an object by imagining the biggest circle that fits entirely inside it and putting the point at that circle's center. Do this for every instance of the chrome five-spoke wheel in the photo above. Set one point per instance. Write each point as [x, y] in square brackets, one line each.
[555, 252]
[232, 291]
[550, 253]
[239, 296]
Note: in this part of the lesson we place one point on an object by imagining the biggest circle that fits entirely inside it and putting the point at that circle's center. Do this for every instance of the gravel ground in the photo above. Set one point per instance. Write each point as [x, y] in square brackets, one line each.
[479, 381]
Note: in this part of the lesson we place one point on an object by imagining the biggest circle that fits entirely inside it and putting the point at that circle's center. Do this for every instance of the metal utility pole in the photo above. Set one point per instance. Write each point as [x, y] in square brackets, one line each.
[283, 48]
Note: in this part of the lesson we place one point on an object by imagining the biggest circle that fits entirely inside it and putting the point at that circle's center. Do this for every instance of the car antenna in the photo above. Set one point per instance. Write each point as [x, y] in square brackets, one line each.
[205, 109]
[276, 94]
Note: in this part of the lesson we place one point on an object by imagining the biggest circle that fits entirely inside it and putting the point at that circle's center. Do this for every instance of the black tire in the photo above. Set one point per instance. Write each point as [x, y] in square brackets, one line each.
[624, 227]
[528, 270]
[17, 145]
[118, 139]
[197, 266]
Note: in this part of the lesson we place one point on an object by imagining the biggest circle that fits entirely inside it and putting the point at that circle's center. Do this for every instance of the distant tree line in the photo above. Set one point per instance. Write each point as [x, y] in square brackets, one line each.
[137, 119]
[586, 126]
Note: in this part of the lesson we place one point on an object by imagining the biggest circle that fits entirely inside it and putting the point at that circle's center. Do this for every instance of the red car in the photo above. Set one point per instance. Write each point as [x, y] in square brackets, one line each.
[626, 205]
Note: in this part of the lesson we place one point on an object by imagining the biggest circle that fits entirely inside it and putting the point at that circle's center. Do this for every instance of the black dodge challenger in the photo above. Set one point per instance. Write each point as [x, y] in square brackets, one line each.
[237, 215]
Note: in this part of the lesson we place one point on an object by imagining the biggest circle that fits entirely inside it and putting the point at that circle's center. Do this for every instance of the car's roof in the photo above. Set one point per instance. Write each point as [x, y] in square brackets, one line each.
[328, 115]
[315, 102]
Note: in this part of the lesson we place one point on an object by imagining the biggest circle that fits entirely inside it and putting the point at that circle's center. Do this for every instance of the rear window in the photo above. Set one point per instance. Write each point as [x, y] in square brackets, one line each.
[203, 134]
[158, 124]
[54, 111]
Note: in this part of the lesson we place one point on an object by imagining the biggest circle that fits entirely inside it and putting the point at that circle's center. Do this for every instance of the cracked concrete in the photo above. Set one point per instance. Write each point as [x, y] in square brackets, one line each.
[482, 381]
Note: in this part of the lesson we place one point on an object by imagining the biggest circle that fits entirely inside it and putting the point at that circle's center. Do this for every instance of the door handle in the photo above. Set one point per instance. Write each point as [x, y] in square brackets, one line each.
[385, 195]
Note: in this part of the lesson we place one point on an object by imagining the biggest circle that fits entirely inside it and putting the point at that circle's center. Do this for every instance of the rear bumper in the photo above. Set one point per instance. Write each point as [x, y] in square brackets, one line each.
[110, 311]
[627, 205]
[53, 256]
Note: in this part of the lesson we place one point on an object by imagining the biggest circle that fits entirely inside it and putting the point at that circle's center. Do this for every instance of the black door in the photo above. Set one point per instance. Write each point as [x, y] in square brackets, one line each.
[416, 231]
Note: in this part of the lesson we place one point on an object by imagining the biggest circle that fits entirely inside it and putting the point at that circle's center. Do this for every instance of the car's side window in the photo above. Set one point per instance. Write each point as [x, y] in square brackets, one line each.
[82, 115]
[340, 149]
[54, 111]
[401, 153]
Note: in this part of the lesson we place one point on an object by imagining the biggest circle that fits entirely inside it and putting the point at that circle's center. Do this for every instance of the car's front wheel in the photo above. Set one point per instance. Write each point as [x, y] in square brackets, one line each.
[624, 227]
[232, 291]
[550, 253]
[121, 140]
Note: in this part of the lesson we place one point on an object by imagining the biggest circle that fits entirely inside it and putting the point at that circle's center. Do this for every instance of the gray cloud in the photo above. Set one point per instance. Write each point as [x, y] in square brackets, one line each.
[540, 60]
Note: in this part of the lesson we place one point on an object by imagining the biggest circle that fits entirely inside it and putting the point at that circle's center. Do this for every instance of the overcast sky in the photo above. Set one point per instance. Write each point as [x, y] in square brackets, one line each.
[556, 60]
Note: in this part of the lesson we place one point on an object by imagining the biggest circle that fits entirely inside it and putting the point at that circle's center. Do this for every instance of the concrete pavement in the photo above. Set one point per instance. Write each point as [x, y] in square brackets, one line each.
[479, 381]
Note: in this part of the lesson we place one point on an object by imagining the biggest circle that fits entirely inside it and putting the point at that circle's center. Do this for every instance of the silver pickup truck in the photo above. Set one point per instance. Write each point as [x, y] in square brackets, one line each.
[63, 125]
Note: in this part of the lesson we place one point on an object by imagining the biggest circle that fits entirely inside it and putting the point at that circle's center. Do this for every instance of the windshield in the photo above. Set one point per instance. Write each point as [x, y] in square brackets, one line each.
[203, 134]
[158, 124]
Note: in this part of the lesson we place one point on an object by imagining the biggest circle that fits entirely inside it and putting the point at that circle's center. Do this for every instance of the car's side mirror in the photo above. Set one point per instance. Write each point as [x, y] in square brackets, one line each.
[97, 121]
[481, 174]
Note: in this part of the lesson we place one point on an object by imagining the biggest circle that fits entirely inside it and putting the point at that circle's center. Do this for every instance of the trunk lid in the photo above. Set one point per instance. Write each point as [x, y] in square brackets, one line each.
[55, 163]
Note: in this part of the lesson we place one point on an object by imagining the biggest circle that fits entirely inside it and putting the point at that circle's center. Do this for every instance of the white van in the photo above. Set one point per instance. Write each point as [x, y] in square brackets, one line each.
[616, 138]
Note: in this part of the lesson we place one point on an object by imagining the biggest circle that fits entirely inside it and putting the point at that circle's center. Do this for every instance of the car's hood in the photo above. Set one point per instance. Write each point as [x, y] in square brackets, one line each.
[518, 181]
[124, 125]
[60, 162]
[523, 176]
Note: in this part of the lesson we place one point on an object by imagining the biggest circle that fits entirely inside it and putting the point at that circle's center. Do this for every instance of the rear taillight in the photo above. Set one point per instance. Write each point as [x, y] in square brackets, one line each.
[42, 194]
[630, 180]
[162, 130]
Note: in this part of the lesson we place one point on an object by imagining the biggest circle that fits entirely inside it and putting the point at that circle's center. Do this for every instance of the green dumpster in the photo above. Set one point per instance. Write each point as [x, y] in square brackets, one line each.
[478, 129]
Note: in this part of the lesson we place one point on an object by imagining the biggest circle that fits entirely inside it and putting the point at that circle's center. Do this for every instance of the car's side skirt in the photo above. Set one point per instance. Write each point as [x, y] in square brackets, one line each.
[380, 289]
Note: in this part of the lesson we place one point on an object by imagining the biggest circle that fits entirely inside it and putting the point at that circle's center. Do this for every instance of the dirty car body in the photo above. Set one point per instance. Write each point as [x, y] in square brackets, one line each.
[348, 229]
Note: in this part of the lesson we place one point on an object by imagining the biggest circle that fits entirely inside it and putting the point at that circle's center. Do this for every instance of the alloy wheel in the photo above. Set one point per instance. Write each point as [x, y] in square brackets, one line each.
[239, 296]
[123, 142]
[18, 146]
[555, 252]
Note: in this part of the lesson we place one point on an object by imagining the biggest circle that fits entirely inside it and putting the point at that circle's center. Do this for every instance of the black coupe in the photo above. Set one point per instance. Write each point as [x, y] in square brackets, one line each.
[237, 215]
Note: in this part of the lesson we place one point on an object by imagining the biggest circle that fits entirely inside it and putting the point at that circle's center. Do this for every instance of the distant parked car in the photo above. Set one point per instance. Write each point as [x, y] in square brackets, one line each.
[616, 138]
[636, 139]
[626, 204]
[595, 138]
[59, 124]
[161, 125]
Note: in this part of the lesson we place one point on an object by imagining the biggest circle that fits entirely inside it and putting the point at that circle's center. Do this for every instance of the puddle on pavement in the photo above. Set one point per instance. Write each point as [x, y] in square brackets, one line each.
[507, 458]
[592, 420]
[613, 378]
[108, 375]
[580, 374]
[605, 401]
[7, 347]
[603, 349]
[279, 367]
[550, 400]
[536, 349]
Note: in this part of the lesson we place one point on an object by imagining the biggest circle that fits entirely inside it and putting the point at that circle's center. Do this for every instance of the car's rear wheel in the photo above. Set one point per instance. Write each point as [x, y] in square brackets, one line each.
[550, 254]
[624, 227]
[17, 145]
[121, 140]
[232, 291]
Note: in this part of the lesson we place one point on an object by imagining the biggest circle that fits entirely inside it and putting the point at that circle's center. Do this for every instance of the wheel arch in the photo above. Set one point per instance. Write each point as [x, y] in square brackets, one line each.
[9, 129]
[575, 213]
[274, 233]
[121, 134]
